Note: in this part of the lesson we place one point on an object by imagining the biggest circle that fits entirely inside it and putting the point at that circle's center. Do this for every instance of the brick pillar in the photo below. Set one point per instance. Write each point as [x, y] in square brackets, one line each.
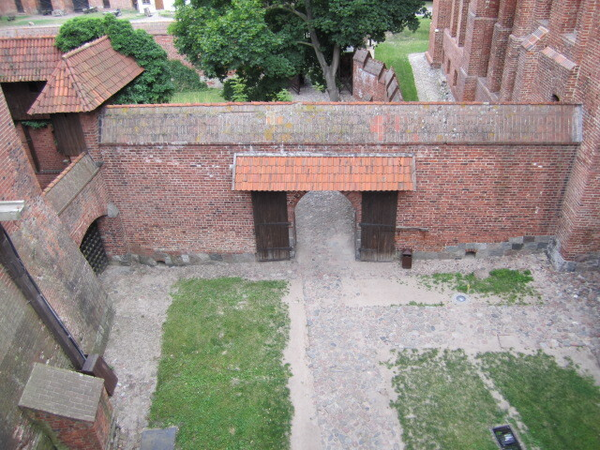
[442, 14]
[71, 407]
[502, 31]
[523, 24]
[478, 41]
[455, 18]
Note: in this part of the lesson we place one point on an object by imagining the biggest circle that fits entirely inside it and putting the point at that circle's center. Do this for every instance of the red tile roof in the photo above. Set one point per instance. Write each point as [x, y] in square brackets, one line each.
[323, 173]
[85, 78]
[27, 58]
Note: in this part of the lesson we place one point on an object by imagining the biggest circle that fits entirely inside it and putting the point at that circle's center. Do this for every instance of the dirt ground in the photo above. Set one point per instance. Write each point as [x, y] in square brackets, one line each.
[346, 317]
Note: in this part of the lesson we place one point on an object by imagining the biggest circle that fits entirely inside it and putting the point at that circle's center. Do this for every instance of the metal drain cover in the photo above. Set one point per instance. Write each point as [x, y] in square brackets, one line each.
[460, 298]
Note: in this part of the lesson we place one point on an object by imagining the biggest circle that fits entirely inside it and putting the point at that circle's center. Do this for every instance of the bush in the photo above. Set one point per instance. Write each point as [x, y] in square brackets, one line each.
[184, 78]
[152, 86]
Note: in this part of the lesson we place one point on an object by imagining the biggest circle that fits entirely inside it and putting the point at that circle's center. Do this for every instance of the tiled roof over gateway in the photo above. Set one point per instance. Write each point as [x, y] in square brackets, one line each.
[27, 59]
[323, 173]
[85, 78]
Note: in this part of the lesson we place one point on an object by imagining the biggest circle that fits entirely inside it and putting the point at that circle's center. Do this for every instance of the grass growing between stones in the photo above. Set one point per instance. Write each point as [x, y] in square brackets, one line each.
[513, 286]
[394, 53]
[443, 401]
[221, 379]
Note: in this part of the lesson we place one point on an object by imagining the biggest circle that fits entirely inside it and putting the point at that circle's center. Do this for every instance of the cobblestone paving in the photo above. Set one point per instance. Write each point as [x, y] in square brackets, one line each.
[347, 341]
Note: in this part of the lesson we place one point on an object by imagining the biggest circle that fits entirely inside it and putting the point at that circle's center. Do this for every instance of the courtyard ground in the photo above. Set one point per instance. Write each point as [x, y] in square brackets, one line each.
[347, 318]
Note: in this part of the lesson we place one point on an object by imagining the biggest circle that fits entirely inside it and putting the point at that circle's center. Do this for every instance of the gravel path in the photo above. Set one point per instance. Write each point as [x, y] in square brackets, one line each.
[431, 83]
[346, 318]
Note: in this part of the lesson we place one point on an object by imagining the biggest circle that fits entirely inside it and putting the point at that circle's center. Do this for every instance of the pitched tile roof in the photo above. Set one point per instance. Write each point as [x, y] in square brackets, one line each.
[85, 78]
[323, 173]
[27, 58]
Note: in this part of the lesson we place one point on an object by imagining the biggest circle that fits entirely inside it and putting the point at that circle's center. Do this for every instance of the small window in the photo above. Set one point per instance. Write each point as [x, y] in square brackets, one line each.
[455, 80]
[555, 98]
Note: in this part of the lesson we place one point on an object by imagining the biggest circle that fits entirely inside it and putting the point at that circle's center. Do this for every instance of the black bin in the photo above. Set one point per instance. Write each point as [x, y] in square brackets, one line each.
[407, 258]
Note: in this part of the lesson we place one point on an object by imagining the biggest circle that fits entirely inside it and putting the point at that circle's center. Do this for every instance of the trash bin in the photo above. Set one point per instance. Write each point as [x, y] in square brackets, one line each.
[407, 258]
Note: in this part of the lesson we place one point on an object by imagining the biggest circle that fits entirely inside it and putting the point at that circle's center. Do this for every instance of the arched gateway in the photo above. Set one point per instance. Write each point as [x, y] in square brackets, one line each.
[377, 178]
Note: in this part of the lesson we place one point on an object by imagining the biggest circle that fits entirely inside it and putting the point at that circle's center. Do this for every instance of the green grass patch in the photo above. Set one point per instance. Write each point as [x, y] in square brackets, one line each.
[513, 286]
[221, 379]
[38, 19]
[394, 53]
[443, 403]
[209, 95]
[560, 408]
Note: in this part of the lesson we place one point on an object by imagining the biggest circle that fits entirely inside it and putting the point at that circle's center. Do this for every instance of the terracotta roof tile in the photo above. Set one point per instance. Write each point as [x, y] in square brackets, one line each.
[85, 78]
[323, 173]
[27, 58]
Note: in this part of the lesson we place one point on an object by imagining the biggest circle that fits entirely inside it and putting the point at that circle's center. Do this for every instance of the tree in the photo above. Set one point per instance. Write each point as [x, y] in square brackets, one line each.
[265, 40]
[154, 84]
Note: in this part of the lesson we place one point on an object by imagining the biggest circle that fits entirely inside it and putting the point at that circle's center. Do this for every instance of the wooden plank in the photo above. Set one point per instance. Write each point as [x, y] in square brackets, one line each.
[271, 226]
[379, 225]
[70, 140]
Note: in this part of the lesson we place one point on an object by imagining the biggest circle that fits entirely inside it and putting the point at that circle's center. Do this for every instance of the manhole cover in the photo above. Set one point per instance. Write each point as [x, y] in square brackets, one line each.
[460, 298]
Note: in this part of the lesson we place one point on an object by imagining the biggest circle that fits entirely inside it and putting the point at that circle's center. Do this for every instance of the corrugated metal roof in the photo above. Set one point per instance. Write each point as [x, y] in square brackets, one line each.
[323, 173]
[27, 58]
[85, 78]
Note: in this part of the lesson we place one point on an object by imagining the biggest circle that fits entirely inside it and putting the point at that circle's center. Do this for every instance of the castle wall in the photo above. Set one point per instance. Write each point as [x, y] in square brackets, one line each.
[64, 277]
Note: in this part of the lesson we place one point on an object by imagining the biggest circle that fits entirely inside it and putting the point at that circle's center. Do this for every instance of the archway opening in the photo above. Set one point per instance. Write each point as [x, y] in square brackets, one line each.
[325, 228]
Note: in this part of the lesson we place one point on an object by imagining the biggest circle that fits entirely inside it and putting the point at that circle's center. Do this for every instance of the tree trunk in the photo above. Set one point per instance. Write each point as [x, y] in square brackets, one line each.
[332, 89]
[330, 72]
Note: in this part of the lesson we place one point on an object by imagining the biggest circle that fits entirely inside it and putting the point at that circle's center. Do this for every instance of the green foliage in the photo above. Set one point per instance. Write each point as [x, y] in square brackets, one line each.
[35, 124]
[253, 87]
[511, 285]
[154, 84]
[560, 408]
[283, 96]
[239, 90]
[221, 379]
[185, 78]
[394, 53]
[276, 39]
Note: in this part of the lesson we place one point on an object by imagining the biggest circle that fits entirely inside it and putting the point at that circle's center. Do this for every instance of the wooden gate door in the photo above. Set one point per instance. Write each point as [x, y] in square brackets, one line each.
[271, 225]
[158, 4]
[378, 226]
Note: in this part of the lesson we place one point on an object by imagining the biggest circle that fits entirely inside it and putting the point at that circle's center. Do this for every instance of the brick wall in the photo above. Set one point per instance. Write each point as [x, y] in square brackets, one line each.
[371, 81]
[176, 198]
[541, 51]
[64, 277]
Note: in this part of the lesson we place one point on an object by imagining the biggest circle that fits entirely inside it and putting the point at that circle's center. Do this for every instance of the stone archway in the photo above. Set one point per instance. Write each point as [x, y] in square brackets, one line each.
[325, 227]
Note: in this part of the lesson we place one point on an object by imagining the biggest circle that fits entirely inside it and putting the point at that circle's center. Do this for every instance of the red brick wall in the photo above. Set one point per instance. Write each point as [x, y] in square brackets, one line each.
[371, 81]
[62, 274]
[178, 199]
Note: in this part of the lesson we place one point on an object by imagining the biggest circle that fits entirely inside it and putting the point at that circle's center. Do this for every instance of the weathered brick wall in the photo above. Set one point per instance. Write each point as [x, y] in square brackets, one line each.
[371, 81]
[78, 195]
[175, 197]
[64, 277]
[541, 51]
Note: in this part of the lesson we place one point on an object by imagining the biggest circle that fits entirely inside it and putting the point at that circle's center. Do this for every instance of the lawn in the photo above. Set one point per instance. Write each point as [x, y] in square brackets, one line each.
[394, 53]
[209, 95]
[38, 19]
[221, 379]
[445, 401]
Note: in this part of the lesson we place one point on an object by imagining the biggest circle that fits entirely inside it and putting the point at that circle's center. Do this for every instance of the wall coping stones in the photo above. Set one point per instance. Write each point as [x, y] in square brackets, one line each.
[65, 188]
[62, 392]
[343, 123]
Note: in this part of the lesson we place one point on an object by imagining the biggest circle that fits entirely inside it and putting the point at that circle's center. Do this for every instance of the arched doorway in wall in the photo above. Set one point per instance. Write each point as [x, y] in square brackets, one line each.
[92, 248]
[325, 227]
